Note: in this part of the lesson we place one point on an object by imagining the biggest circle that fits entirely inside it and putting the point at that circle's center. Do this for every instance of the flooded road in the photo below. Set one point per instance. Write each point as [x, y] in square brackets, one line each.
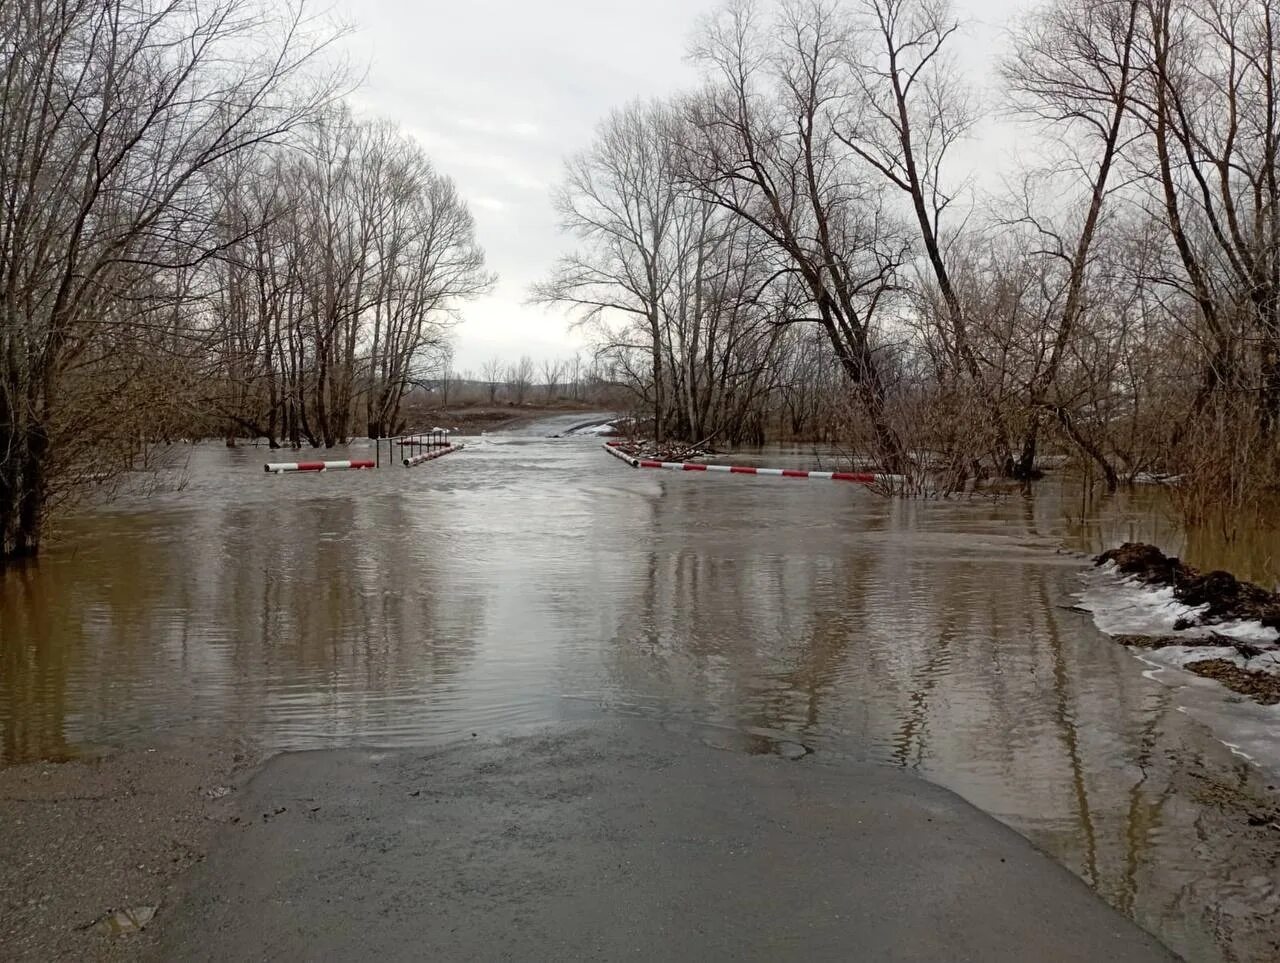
[527, 580]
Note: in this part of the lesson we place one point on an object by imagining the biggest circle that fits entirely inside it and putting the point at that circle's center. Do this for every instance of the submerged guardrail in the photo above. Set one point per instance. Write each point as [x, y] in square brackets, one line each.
[280, 467]
[414, 460]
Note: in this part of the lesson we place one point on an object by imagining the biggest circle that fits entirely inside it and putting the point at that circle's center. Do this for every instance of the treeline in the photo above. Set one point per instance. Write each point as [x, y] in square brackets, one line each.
[811, 209]
[197, 238]
[590, 379]
[345, 254]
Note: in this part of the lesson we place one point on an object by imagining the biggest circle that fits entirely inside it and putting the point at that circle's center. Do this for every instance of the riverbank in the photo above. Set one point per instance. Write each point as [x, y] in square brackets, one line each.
[85, 840]
[1214, 624]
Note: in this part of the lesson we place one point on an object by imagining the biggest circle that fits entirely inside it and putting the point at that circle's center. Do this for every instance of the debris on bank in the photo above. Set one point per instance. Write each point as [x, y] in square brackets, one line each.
[1249, 650]
[1262, 687]
[1209, 623]
[122, 922]
[1220, 594]
[648, 450]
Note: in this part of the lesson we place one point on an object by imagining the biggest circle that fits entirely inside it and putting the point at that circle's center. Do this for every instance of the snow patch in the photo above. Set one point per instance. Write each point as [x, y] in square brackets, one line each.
[605, 429]
[1242, 725]
[599, 430]
[1126, 606]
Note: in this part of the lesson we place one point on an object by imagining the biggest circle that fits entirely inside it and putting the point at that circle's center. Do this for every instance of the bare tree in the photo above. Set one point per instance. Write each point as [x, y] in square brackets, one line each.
[573, 371]
[492, 370]
[520, 378]
[1210, 110]
[765, 150]
[446, 377]
[552, 372]
[909, 107]
[114, 121]
[341, 297]
[618, 198]
[1075, 65]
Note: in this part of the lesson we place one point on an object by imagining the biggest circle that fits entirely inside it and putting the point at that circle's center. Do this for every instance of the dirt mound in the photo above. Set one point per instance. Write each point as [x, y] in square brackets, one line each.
[1146, 562]
[1227, 597]
[1224, 596]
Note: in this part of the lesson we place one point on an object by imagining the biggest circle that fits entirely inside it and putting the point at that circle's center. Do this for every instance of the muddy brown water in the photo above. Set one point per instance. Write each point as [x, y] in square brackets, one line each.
[527, 580]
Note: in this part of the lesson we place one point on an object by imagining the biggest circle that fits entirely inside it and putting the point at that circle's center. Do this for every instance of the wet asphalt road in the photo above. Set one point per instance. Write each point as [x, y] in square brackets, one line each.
[625, 840]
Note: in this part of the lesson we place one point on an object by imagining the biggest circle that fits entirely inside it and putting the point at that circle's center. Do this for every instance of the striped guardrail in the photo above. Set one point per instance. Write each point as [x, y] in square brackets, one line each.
[279, 467]
[415, 460]
[858, 477]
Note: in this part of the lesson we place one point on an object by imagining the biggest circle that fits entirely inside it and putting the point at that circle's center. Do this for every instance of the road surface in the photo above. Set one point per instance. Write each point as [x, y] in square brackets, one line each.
[626, 840]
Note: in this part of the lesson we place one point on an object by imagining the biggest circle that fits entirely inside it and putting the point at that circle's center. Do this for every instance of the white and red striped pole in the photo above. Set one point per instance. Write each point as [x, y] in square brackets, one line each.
[414, 460]
[611, 448]
[859, 477]
[284, 466]
[864, 478]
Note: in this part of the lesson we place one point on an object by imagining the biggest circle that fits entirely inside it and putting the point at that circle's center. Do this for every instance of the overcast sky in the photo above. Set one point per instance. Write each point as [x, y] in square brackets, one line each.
[499, 92]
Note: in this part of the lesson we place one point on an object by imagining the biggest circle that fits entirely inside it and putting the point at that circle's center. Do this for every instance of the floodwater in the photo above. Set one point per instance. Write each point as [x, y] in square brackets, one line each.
[527, 580]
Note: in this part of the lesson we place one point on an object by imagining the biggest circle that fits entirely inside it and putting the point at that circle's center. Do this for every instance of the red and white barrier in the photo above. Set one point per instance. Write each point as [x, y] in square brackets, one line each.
[864, 478]
[611, 449]
[415, 460]
[284, 466]
[859, 477]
